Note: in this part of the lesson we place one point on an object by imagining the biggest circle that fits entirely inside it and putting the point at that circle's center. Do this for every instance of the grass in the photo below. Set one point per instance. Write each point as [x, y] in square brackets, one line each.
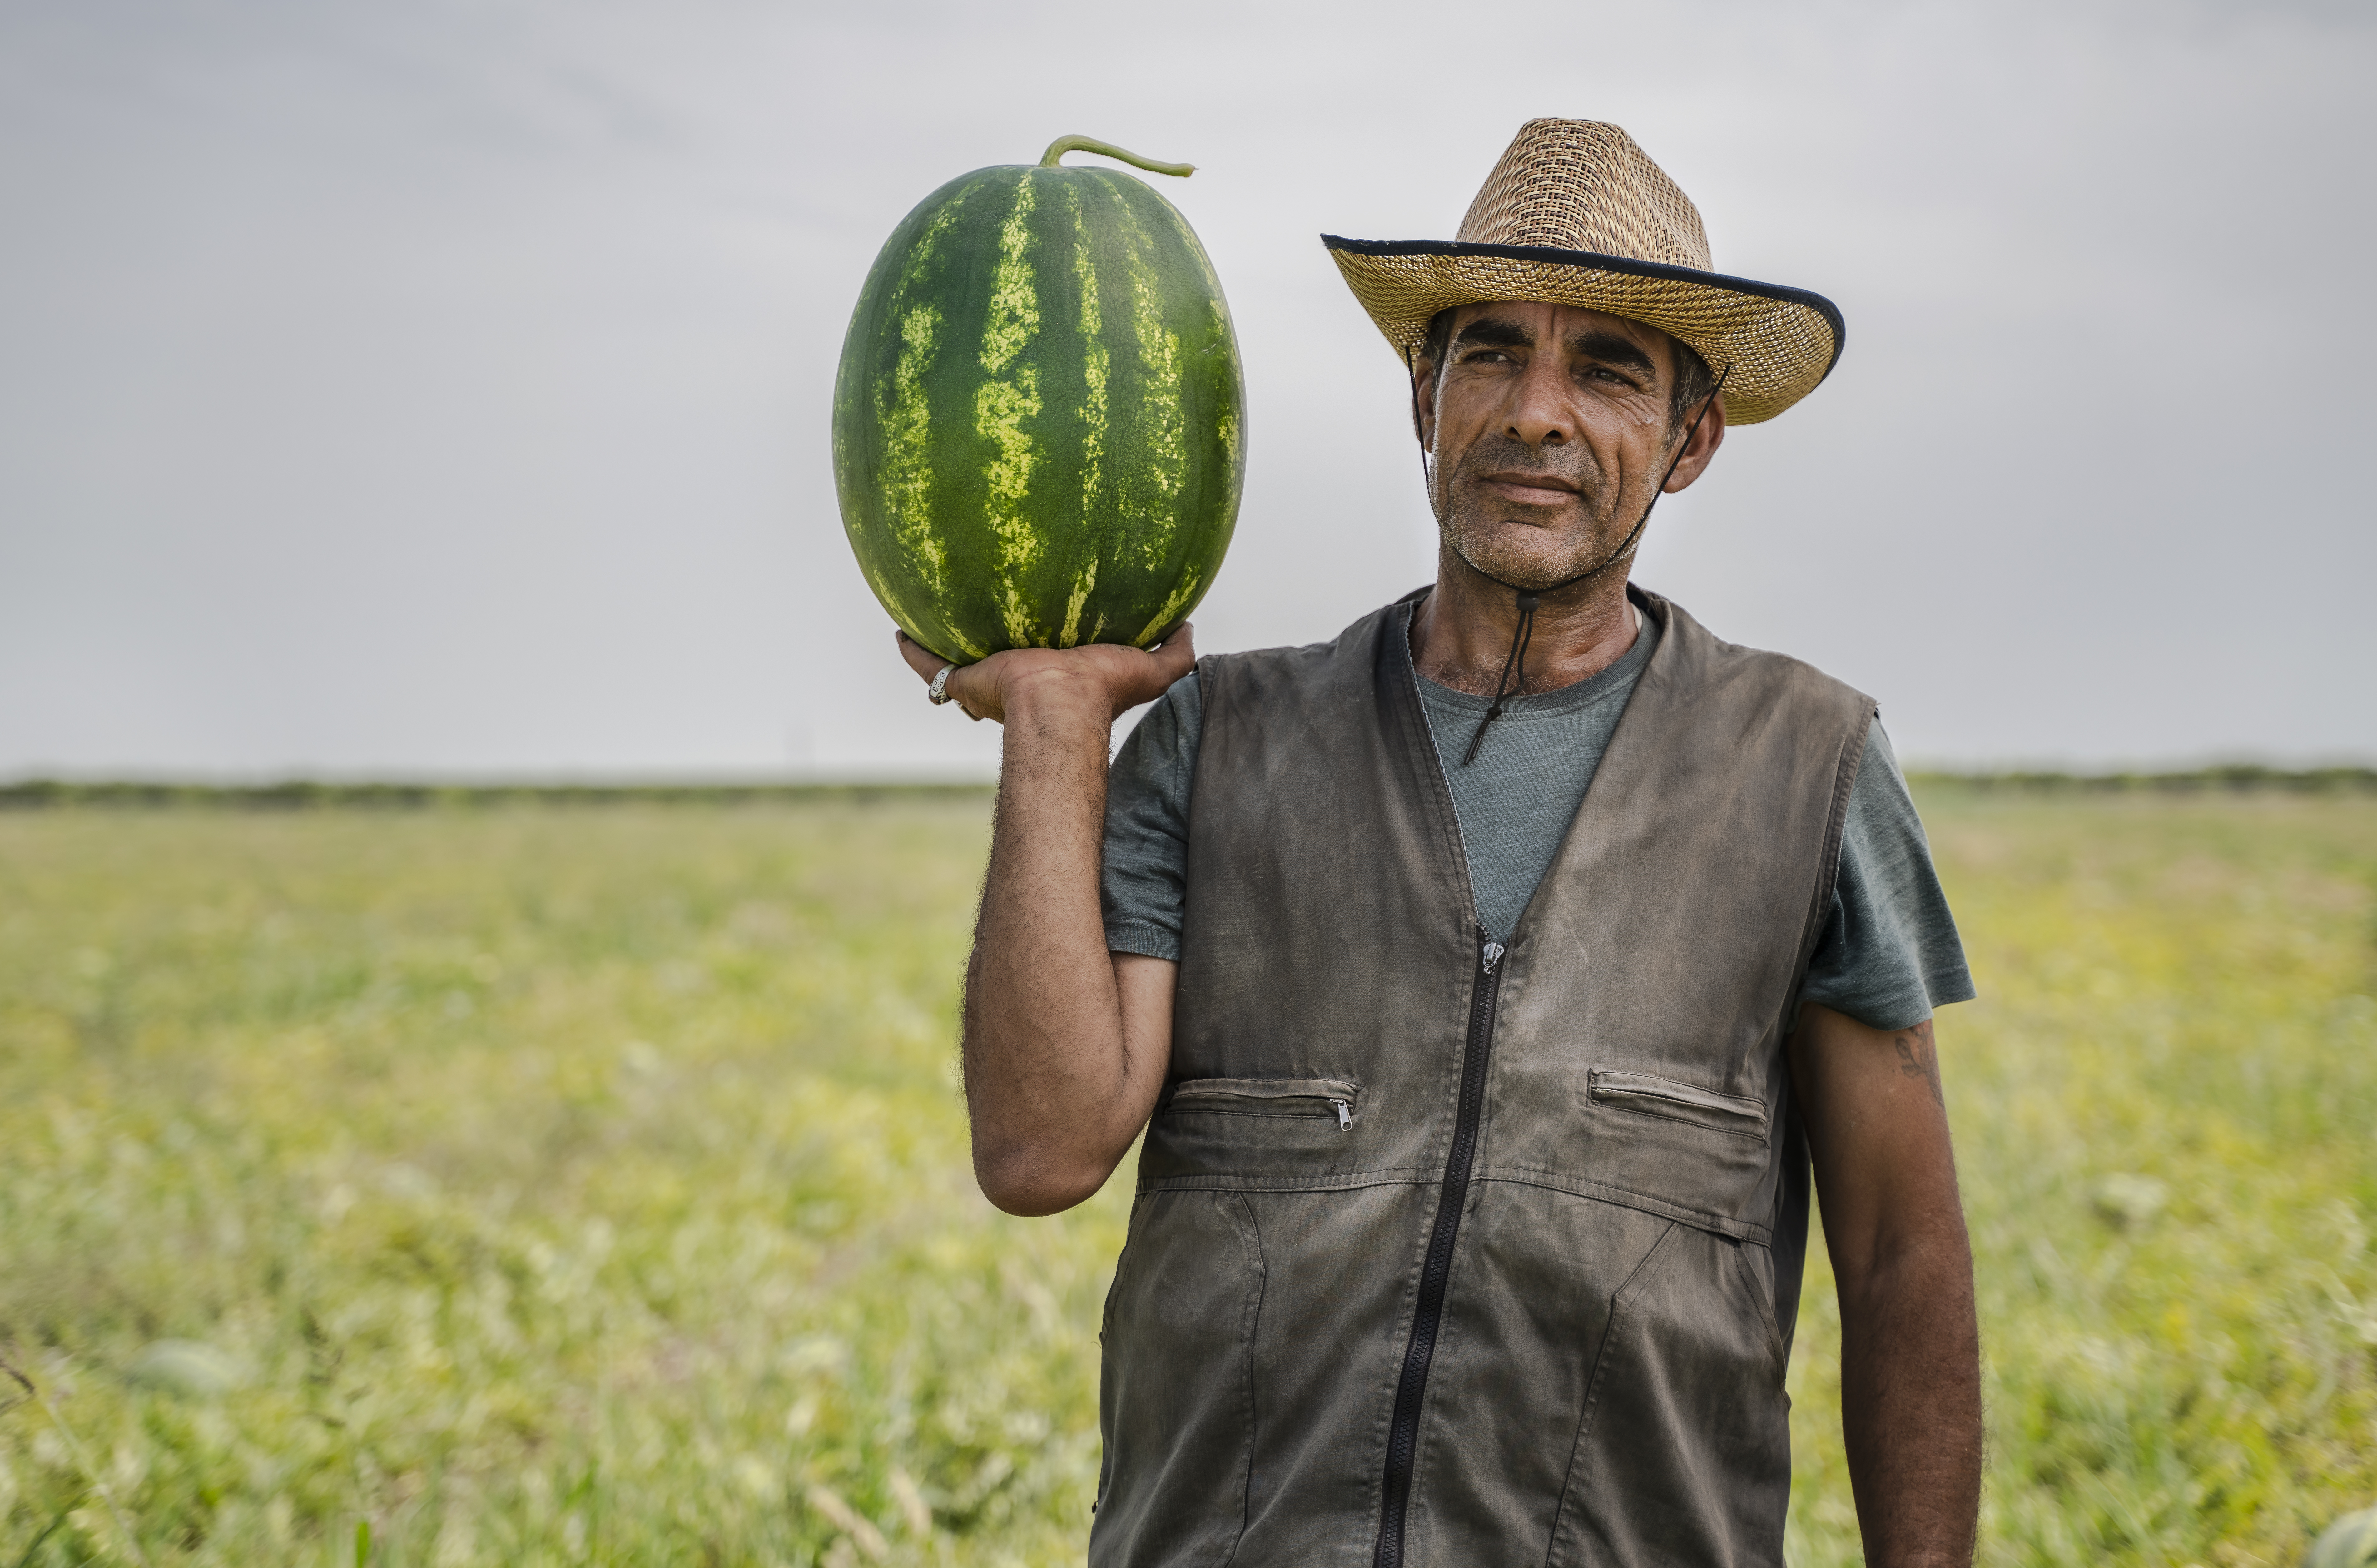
[2166, 1113]
[589, 1185]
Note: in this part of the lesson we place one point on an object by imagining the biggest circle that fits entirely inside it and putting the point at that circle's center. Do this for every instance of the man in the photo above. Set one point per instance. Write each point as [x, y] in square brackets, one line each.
[1484, 979]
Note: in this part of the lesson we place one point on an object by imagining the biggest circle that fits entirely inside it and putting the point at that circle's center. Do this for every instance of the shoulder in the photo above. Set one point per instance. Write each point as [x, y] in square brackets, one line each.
[1263, 679]
[1172, 722]
[1881, 784]
[1885, 828]
[1747, 689]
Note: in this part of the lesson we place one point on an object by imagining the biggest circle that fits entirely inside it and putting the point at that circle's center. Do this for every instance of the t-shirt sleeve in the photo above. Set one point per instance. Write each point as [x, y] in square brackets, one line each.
[1889, 954]
[1142, 884]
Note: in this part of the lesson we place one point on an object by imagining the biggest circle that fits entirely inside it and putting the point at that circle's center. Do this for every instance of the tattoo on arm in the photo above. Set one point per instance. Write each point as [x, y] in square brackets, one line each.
[1917, 1058]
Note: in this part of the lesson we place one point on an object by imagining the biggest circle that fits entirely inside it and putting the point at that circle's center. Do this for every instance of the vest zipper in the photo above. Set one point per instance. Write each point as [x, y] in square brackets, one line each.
[1403, 1435]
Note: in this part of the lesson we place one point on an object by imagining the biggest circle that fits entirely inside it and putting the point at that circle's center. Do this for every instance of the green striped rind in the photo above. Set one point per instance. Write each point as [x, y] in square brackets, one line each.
[1036, 429]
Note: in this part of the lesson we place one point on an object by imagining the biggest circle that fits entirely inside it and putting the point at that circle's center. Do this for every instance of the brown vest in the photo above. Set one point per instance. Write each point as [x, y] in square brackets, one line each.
[1450, 1256]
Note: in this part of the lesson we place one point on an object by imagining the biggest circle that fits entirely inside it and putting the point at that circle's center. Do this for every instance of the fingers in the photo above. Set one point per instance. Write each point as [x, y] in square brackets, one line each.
[1178, 652]
[921, 659]
[1129, 677]
[974, 688]
[964, 680]
[1143, 676]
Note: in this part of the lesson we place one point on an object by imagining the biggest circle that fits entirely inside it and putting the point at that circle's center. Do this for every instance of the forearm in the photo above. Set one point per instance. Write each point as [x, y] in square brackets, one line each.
[1876, 1121]
[1911, 1402]
[1050, 1079]
[1064, 1045]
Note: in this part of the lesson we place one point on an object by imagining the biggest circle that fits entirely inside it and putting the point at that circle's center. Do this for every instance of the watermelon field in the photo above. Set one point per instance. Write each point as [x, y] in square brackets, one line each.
[518, 1184]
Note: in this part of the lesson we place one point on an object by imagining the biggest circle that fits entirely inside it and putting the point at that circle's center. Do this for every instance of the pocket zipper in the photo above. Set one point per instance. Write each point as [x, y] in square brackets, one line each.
[1256, 1096]
[1688, 1103]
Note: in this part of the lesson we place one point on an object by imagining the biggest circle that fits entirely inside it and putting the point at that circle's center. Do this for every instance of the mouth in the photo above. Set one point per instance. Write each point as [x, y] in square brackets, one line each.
[1531, 489]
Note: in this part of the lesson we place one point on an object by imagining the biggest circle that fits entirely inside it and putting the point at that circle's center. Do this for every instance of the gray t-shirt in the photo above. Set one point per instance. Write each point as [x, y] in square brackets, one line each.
[1889, 953]
[1516, 801]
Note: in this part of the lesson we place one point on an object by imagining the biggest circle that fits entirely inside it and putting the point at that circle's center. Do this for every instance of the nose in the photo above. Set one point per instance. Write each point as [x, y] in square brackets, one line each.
[1538, 413]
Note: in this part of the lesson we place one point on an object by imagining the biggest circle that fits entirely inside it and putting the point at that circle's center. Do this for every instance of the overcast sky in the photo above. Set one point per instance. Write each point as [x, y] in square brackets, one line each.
[441, 387]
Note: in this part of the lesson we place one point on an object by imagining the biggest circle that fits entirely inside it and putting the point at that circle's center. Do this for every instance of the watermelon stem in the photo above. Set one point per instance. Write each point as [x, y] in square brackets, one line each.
[1064, 144]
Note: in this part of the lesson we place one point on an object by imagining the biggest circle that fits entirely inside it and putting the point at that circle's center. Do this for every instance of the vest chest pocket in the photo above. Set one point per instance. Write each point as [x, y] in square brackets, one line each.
[1314, 1099]
[1646, 1095]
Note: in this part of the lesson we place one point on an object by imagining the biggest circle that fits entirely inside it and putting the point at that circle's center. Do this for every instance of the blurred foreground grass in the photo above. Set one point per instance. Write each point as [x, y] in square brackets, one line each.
[589, 1185]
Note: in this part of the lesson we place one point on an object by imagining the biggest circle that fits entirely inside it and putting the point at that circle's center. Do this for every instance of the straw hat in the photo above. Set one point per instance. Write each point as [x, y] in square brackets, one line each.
[1576, 214]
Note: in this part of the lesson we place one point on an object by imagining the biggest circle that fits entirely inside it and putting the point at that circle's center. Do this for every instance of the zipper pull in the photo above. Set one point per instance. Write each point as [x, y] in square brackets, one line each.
[1344, 1110]
[1491, 953]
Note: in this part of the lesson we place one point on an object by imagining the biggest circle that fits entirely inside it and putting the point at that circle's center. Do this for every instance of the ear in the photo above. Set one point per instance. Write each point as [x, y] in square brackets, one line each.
[1700, 449]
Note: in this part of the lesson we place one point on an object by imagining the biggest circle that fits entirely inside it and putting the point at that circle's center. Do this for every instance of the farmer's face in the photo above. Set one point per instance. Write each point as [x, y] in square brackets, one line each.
[1546, 431]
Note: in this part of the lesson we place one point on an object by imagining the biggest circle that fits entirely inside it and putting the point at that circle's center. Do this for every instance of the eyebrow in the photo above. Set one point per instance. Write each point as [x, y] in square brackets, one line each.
[1494, 332]
[1612, 347]
[1595, 343]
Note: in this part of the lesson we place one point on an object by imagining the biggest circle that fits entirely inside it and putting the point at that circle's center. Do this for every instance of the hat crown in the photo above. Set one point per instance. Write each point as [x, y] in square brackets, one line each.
[1584, 185]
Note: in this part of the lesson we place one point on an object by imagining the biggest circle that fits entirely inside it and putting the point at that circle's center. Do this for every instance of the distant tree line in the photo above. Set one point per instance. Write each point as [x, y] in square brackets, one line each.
[301, 794]
[2238, 778]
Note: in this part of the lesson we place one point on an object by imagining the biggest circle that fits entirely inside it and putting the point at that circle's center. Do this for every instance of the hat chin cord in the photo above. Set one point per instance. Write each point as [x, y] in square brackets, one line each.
[1516, 663]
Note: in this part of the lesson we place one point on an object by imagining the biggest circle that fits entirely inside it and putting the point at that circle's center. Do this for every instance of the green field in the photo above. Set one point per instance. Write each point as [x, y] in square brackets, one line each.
[589, 1185]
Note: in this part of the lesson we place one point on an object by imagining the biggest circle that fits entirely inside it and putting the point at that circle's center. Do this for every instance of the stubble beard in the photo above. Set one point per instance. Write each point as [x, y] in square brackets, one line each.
[1498, 539]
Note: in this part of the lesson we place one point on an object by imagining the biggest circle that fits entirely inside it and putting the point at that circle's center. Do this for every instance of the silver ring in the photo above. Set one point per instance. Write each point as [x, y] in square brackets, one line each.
[938, 692]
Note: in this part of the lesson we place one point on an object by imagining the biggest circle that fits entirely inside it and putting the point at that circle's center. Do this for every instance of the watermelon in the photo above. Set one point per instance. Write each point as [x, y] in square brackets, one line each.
[2350, 1542]
[1037, 427]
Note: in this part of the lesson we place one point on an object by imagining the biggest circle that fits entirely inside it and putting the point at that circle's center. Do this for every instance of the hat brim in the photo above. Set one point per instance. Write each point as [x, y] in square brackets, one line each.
[1781, 342]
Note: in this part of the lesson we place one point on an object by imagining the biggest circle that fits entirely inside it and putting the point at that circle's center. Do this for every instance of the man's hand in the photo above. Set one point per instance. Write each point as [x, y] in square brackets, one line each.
[1066, 1043]
[1910, 1351]
[1102, 674]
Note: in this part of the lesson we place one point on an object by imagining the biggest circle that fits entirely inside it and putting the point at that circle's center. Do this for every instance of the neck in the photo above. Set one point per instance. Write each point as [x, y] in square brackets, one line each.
[1461, 633]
